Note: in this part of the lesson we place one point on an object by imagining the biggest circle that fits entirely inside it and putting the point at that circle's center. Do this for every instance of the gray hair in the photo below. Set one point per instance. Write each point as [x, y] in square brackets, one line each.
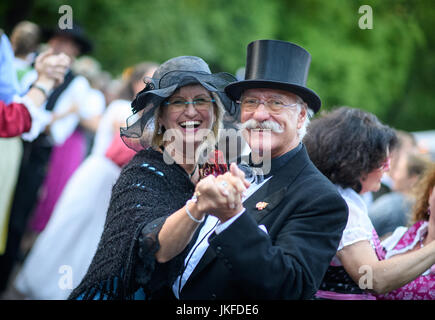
[310, 113]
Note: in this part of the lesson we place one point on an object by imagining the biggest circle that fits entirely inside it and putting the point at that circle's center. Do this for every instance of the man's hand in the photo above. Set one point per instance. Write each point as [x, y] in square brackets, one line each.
[221, 196]
[51, 68]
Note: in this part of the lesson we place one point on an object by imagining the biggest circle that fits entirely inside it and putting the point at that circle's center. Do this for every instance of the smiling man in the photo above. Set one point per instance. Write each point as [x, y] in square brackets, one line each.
[267, 129]
[300, 214]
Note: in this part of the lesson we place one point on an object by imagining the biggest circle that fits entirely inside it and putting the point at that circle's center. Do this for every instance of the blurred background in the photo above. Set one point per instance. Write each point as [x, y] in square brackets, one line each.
[388, 70]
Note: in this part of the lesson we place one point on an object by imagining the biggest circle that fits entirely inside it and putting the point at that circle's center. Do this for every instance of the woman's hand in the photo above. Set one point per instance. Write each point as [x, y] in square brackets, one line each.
[51, 67]
[221, 196]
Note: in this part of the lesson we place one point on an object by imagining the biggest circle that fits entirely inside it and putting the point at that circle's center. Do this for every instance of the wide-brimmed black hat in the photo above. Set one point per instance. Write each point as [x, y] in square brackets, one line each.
[275, 64]
[76, 33]
[168, 78]
[179, 72]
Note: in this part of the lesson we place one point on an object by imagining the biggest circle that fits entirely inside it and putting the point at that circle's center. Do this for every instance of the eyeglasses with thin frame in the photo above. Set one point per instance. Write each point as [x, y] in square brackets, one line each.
[199, 104]
[273, 105]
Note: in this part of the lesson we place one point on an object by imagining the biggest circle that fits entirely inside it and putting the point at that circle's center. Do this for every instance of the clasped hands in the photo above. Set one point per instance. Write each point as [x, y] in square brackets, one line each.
[221, 196]
[51, 67]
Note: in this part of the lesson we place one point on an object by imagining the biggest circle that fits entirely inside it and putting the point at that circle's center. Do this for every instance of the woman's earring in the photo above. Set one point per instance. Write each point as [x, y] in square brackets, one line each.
[160, 130]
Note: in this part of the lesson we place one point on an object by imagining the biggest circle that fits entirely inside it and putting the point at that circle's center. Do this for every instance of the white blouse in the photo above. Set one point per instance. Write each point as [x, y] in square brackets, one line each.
[359, 226]
[117, 111]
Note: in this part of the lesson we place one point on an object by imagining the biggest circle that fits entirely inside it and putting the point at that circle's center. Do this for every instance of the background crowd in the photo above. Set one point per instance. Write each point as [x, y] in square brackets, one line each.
[57, 182]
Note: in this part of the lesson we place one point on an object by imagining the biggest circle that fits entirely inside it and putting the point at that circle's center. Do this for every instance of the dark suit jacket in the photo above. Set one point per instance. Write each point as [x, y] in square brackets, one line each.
[305, 218]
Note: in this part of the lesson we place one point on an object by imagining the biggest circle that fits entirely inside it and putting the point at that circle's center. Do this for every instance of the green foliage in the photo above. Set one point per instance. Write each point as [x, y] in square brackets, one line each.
[350, 66]
[388, 70]
[126, 32]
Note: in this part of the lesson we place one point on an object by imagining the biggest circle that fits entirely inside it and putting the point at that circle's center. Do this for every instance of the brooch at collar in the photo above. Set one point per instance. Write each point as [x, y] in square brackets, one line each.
[261, 205]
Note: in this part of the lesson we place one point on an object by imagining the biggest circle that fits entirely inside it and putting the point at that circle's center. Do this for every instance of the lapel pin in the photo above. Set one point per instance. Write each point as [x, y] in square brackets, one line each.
[261, 205]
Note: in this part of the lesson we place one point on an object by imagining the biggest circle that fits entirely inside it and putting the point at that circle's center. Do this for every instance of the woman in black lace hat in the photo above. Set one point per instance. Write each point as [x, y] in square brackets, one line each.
[178, 114]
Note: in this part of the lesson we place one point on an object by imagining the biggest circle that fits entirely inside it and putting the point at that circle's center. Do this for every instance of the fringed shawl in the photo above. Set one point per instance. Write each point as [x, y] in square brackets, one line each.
[147, 190]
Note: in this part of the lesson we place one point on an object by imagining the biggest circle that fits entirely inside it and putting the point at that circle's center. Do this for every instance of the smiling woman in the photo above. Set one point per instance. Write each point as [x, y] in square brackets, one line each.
[189, 117]
[183, 101]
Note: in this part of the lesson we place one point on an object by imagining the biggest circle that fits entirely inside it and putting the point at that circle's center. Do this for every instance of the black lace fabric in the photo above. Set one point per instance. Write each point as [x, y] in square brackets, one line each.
[146, 193]
[152, 276]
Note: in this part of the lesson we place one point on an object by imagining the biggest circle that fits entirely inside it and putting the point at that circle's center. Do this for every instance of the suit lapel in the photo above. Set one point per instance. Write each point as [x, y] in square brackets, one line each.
[264, 202]
[271, 192]
[208, 256]
[275, 189]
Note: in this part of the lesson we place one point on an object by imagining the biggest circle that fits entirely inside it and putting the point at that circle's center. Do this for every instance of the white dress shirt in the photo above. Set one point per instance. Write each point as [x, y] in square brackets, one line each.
[211, 224]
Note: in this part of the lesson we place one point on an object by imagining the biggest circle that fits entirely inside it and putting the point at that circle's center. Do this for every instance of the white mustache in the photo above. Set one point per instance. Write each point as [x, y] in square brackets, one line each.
[268, 124]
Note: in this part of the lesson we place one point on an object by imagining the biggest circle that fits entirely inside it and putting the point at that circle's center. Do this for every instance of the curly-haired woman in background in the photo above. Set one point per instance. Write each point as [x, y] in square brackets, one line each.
[351, 148]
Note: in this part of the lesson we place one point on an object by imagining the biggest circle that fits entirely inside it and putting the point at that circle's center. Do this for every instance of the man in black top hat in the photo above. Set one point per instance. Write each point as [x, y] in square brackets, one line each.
[280, 241]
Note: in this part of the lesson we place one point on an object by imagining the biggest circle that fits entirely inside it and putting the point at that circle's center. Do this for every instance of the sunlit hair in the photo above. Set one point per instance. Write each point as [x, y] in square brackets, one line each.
[25, 38]
[219, 110]
[132, 75]
[422, 191]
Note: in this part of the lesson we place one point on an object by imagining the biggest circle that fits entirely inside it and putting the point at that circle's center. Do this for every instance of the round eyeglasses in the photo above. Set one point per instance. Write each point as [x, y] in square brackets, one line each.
[199, 104]
[273, 105]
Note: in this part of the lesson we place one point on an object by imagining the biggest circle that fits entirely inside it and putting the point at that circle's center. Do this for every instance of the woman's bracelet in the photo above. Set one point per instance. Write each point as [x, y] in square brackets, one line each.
[190, 214]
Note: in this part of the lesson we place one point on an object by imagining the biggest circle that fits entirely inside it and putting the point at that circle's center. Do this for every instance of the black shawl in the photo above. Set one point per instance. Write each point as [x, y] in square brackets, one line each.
[147, 189]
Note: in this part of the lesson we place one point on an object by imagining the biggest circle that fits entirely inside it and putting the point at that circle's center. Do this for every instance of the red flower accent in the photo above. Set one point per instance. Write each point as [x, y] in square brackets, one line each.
[261, 205]
[215, 165]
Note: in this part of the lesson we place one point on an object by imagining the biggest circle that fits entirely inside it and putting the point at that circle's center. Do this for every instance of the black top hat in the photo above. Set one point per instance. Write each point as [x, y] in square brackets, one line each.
[276, 64]
[76, 33]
